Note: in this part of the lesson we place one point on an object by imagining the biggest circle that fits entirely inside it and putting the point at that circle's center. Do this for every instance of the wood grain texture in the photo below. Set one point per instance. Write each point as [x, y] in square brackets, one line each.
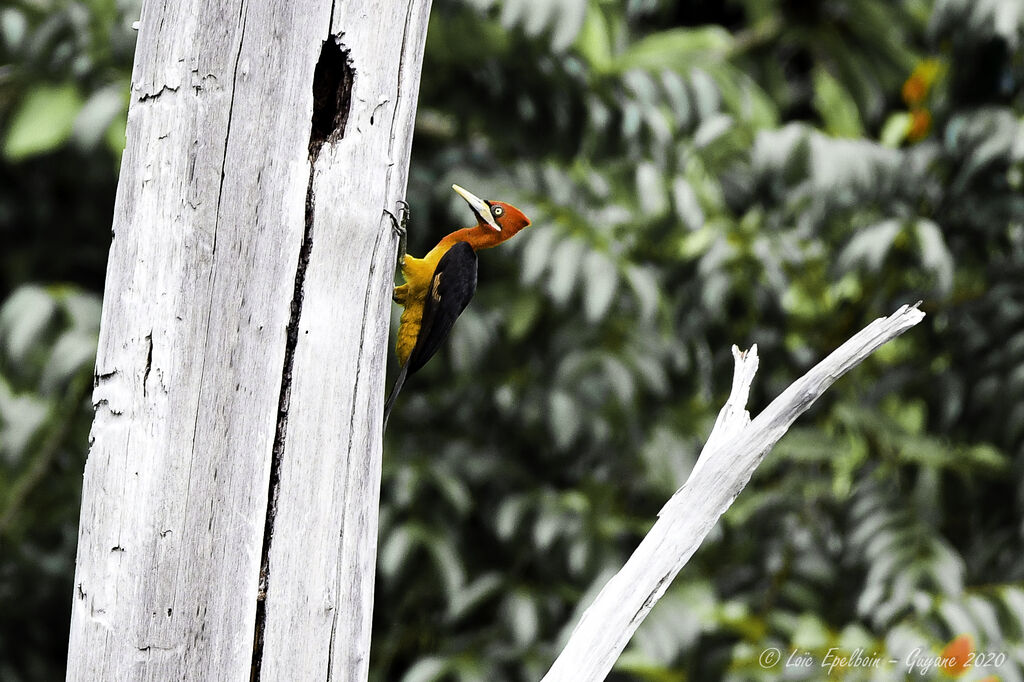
[323, 551]
[195, 352]
[735, 448]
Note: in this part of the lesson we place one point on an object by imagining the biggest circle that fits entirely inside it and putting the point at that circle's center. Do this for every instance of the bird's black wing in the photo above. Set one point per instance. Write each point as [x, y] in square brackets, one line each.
[451, 288]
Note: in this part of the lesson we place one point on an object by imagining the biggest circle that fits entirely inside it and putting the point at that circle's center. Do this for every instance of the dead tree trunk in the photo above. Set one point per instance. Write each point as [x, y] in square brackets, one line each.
[229, 514]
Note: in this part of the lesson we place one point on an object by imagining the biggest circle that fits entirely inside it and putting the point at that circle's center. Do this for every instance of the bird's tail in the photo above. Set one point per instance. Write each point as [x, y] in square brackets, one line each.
[394, 393]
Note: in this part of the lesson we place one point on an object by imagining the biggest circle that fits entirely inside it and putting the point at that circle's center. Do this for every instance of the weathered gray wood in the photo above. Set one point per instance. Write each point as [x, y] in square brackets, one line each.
[323, 553]
[734, 449]
[208, 385]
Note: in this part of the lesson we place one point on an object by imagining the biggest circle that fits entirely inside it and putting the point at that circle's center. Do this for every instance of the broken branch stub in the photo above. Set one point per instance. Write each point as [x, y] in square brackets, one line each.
[734, 449]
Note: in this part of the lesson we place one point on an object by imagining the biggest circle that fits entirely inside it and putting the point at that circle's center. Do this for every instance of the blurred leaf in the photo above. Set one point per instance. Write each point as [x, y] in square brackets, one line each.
[712, 129]
[895, 130]
[835, 106]
[650, 189]
[13, 27]
[705, 92]
[673, 625]
[21, 420]
[538, 250]
[593, 40]
[72, 353]
[454, 491]
[394, 552]
[687, 206]
[427, 670]
[547, 529]
[676, 49]
[935, 256]
[116, 133]
[521, 613]
[510, 517]
[811, 633]
[870, 245]
[473, 594]
[447, 563]
[521, 316]
[43, 121]
[84, 309]
[24, 318]
[646, 289]
[601, 280]
[571, 18]
[99, 113]
[564, 419]
[565, 268]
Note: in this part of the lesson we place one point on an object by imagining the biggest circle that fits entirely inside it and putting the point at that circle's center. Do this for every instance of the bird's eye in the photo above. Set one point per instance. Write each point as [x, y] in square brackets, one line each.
[497, 211]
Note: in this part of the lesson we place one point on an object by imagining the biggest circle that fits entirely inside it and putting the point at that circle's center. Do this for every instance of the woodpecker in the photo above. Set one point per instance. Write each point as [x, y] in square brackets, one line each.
[439, 286]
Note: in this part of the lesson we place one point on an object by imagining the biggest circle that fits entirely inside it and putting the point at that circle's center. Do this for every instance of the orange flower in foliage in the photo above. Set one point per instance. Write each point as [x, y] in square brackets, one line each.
[954, 655]
[920, 125]
[916, 88]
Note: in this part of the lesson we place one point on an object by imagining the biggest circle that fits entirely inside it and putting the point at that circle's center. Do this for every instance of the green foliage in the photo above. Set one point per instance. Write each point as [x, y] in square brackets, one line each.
[47, 347]
[64, 73]
[674, 215]
[698, 174]
[54, 50]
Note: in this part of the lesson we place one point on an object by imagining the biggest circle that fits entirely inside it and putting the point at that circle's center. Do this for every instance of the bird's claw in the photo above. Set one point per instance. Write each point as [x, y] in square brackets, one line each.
[400, 222]
[400, 225]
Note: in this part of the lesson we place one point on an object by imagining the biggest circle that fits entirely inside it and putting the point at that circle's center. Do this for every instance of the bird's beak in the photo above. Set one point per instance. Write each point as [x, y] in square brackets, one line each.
[479, 206]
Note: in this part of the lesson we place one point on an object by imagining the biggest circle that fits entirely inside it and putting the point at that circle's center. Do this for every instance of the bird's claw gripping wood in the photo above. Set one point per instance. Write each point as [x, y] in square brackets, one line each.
[400, 225]
[438, 286]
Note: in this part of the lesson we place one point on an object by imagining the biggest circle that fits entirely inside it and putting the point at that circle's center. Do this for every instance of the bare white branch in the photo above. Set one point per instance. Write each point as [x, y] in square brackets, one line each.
[734, 449]
[733, 417]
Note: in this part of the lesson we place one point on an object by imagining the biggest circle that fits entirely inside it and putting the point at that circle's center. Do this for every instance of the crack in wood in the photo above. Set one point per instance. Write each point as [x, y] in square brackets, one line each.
[244, 16]
[104, 402]
[333, 77]
[150, 96]
[101, 377]
[149, 362]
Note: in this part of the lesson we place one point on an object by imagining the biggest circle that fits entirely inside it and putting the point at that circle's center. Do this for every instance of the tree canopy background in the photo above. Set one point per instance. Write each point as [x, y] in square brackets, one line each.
[699, 174]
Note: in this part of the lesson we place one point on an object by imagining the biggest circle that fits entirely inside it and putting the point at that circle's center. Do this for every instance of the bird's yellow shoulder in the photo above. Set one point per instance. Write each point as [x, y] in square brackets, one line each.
[417, 272]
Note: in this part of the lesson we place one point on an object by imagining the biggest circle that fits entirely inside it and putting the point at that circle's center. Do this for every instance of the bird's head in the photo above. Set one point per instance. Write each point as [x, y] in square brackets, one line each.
[501, 220]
